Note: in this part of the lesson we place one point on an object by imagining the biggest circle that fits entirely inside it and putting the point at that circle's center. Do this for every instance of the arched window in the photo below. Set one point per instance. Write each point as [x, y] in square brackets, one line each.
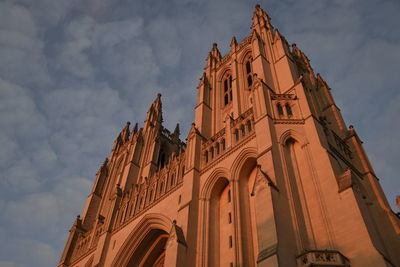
[223, 144]
[249, 129]
[212, 152]
[249, 72]
[227, 84]
[243, 130]
[280, 110]
[288, 110]
[206, 156]
[217, 148]
[237, 135]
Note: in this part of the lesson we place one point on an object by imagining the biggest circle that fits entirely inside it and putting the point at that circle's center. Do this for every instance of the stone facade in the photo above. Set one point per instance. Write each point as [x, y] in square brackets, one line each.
[269, 176]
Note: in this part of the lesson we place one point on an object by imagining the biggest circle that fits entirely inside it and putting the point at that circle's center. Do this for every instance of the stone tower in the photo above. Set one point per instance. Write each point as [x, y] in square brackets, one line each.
[269, 176]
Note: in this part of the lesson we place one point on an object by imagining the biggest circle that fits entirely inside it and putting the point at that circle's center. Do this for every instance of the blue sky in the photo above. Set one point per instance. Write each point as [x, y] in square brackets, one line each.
[73, 72]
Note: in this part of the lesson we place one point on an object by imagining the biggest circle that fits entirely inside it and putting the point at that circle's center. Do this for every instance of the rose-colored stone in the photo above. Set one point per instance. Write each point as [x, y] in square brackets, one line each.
[269, 176]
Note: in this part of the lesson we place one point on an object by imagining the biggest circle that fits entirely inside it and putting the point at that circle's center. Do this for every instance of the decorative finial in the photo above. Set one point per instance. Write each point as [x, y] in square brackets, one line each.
[177, 131]
[233, 41]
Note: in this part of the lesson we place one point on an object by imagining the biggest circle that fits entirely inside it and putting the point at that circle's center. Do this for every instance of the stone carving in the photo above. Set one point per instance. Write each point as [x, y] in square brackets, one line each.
[322, 258]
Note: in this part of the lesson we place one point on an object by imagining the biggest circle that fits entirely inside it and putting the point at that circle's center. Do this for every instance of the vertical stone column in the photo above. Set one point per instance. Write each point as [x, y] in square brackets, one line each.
[265, 220]
[176, 242]
[237, 235]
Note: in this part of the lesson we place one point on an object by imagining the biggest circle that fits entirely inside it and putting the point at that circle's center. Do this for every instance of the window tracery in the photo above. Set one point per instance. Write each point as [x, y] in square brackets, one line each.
[227, 89]
[249, 72]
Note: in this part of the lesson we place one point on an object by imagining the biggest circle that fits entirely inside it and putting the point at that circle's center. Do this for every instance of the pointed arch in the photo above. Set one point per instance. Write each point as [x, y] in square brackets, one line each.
[212, 180]
[149, 223]
[244, 55]
[240, 160]
[292, 134]
[222, 73]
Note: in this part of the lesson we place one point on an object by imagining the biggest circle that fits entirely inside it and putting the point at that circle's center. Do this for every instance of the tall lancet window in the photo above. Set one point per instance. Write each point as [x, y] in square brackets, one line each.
[249, 72]
[288, 110]
[280, 110]
[227, 85]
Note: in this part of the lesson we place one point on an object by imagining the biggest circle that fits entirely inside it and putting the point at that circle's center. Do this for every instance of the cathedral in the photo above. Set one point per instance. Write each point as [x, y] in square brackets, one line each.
[269, 175]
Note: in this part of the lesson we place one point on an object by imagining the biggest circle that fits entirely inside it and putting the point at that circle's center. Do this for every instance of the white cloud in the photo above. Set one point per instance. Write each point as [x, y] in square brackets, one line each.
[164, 34]
[107, 62]
[48, 13]
[21, 50]
[27, 252]
[112, 33]
[86, 38]
[21, 121]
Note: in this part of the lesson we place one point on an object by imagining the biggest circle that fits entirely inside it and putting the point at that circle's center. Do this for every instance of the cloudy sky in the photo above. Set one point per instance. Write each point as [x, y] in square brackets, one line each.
[73, 72]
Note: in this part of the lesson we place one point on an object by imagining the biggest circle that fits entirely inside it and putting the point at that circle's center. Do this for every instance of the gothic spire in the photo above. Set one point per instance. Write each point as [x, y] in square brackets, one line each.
[177, 132]
[214, 56]
[125, 132]
[260, 19]
[154, 115]
[233, 42]
[135, 128]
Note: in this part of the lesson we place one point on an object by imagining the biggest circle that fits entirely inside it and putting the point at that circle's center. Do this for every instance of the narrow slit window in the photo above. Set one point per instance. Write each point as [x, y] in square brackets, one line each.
[206, 156]
[248, 67]
[230, 241]
[217, 148]
[288, 110]
[229, 195]
[249, 128]
[223, 144]
[243, 130]
[249, 80]
[230, 217]
[280, 110]
[237, 135]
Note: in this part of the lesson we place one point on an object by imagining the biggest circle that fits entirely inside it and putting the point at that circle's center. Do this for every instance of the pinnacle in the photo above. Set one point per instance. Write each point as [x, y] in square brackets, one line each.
[233, 41]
